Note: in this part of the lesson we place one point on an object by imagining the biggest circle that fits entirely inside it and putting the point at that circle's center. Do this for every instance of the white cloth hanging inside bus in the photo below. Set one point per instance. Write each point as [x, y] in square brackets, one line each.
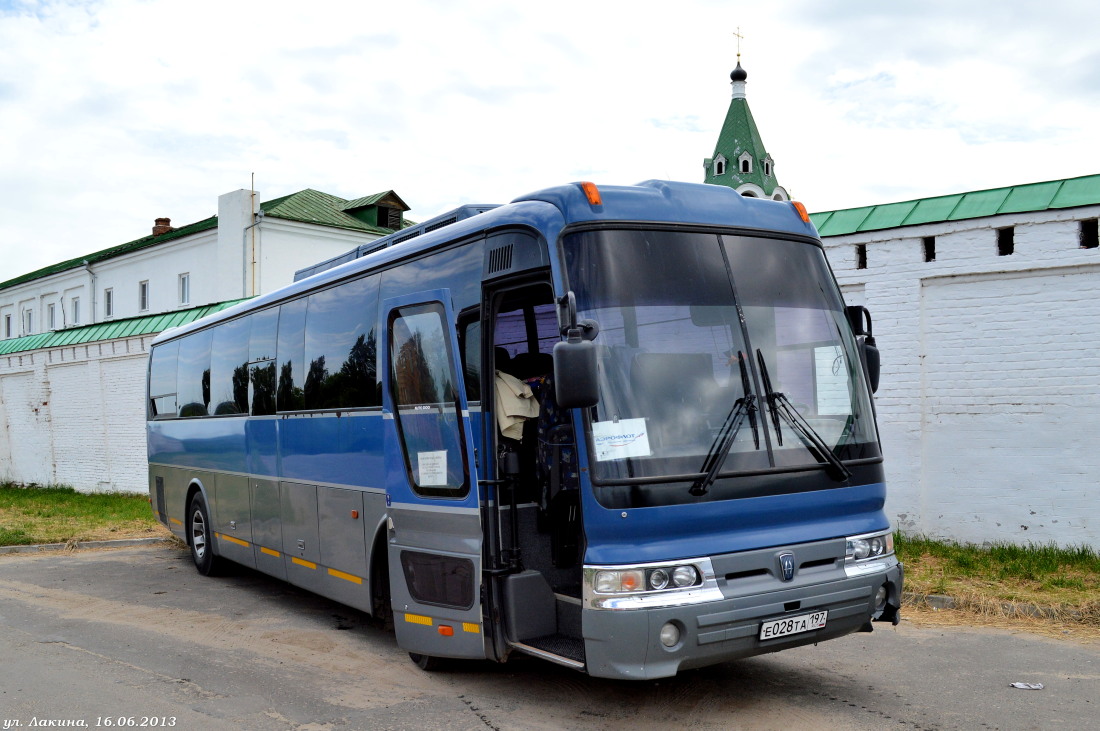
[515, 404]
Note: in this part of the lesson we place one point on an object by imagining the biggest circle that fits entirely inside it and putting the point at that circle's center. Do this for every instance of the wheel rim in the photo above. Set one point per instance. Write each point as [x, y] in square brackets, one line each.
[198, 534]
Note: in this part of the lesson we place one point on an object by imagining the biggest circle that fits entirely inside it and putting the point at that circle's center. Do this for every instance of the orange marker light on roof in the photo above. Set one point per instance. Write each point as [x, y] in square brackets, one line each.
[592, 193]
[801, 211]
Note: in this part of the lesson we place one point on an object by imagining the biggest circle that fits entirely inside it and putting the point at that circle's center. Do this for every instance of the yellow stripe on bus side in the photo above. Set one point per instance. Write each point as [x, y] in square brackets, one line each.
[231, 539]
[346, 577]
[270, 552]
[303, 562]
[471, 627]
[418, 619]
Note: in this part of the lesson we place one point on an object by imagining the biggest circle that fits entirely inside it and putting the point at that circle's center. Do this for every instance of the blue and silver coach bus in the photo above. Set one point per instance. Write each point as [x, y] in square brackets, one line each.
[628, 430]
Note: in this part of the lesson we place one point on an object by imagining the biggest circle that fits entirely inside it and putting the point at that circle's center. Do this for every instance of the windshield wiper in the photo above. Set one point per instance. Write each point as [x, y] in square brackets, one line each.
[780, 406]
[727, 435]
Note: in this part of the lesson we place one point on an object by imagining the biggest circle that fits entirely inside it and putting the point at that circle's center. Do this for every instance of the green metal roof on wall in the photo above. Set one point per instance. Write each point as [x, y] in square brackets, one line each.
[113, 330]
[1054, 194]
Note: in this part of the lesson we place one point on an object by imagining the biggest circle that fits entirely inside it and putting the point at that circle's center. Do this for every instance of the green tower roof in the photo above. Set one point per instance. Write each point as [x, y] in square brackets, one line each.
[740, 158]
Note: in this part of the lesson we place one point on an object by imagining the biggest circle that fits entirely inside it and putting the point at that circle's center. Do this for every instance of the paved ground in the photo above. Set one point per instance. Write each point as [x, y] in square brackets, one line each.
[136, 633]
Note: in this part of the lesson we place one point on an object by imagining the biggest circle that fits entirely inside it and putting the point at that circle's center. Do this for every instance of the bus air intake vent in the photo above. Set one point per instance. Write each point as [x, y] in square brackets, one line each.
[440, 224]
[500, 260]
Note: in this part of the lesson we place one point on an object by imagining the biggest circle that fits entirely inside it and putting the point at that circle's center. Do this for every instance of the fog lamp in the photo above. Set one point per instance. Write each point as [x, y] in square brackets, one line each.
[670, 635]
[880, 597]
[658, 579]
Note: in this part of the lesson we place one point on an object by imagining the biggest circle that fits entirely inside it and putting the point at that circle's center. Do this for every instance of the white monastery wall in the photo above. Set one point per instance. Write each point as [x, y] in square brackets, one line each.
[74, 416]
[988, 401]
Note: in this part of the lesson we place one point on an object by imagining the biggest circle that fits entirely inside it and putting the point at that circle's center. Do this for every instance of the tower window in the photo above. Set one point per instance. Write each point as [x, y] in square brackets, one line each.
[928, 243]
[746, 166]
[1006, 243]
[861, 256]
[767, 169]
[1089, 238]
[720, 167]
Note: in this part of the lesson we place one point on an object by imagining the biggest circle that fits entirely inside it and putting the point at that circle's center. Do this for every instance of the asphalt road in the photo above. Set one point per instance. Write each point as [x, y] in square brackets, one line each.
[136, 634]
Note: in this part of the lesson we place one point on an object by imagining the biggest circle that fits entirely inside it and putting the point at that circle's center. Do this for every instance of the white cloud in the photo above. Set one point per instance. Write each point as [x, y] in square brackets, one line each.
[118, 111]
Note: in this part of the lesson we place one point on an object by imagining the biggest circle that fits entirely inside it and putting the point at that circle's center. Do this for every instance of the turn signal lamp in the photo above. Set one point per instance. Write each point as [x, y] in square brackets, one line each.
[801, 211]
[592, 193]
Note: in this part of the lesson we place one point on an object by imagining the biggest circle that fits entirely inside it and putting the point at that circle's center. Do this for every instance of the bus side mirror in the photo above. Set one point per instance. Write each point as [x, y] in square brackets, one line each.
[575, 381]
[868, 350]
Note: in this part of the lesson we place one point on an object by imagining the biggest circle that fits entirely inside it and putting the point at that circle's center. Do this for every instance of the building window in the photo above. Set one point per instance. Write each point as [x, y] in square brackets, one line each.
[51, 316]
[108, 303]
[7, 326]
[861, 256]
[746, 166]
[719, 167]
[1089, 237]
[928, 243]
[143, 296]
[28, 322]
[767, 168]
[1006, 243]
[76, 311]
[185, 289]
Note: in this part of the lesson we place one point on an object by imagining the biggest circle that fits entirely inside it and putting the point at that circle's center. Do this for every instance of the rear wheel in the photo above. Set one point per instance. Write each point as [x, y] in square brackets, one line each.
[199, 536]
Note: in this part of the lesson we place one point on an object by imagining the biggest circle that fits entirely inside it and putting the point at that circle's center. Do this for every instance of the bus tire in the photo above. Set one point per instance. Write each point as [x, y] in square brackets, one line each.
[199, 536]
[427, 663]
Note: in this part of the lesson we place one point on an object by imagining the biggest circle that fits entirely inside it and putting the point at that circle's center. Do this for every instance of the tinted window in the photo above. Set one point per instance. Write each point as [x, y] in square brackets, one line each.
[426, 401]
[193, 386]
[229, 368]
[162, 381]
[261, 341]
[291, 356]
[341, 347]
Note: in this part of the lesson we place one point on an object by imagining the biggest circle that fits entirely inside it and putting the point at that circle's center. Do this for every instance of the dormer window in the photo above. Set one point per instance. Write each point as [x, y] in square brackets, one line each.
[719, 165]
[768, 166]
[744, 163]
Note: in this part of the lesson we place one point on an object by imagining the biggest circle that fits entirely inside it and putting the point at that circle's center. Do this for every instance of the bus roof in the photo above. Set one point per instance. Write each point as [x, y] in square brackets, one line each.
[549, 210]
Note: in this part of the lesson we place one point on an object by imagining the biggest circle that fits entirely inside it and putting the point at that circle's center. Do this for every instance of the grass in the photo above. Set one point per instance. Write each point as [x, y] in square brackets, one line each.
[1061, 582]
[33, 514]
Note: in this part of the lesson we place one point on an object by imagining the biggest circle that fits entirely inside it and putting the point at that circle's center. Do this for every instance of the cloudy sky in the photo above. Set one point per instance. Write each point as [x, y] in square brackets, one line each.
[115, 112]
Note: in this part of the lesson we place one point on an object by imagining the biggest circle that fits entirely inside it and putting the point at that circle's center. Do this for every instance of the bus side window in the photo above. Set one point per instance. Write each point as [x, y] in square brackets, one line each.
[162, 381]
[341, 346]
[261, 361]
[290, 356]
[229, 368]
[426, 402]
[193, 386]
[469, 342]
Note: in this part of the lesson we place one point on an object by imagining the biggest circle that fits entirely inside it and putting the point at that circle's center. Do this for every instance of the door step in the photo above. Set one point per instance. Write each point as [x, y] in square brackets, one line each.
[560, 649]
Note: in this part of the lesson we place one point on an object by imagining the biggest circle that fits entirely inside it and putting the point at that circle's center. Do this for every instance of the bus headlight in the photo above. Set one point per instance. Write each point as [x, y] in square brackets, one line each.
[875, 545]
[657, 578]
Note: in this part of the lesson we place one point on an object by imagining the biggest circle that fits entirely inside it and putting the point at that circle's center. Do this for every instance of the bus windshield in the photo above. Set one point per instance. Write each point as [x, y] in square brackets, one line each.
[701, 330]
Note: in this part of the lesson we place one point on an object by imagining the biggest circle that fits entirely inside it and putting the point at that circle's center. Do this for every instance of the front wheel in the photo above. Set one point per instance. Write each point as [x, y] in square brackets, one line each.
[199, 536]
[428, 663]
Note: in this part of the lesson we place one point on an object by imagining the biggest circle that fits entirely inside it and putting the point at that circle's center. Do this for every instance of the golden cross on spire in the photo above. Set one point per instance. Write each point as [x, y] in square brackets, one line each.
[739, 39]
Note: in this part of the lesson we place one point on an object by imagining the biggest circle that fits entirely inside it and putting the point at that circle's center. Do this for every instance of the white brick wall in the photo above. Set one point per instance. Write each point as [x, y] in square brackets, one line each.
[988, 403]
[75, 416]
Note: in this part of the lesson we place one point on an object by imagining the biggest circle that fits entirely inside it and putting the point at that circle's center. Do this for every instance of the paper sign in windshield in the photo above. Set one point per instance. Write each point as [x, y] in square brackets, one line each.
[432, 468]
[620, 439]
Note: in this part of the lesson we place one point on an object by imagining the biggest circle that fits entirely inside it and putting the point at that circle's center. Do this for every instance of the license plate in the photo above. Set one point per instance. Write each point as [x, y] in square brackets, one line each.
[793, 625]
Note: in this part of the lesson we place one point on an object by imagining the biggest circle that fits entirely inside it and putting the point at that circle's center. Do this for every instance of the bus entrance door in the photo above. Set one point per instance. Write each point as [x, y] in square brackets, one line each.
[434, 520]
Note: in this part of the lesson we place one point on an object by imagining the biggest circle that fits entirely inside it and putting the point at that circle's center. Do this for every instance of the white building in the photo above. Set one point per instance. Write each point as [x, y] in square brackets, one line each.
[987, 319]
[74, 336]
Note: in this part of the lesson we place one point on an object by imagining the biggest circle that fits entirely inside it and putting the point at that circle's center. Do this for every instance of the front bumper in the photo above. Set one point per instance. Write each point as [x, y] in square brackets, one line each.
[625, 643]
